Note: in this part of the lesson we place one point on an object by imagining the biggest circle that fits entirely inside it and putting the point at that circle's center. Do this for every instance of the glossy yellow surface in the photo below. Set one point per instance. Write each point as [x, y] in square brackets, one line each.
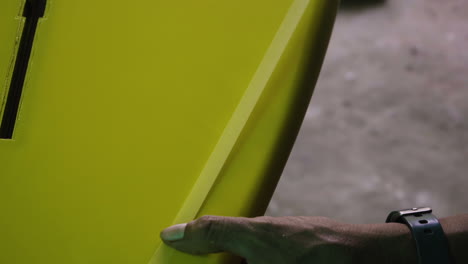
[139, 114]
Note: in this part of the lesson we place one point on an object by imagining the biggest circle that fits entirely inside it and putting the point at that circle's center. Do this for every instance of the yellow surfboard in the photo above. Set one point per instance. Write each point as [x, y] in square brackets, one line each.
[120, 118]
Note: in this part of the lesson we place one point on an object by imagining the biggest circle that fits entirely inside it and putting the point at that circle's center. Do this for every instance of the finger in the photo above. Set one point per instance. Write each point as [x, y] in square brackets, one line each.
[212, 234]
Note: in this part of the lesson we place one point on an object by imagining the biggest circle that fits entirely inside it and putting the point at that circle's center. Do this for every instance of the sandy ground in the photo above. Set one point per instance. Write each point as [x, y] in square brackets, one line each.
[387, 127]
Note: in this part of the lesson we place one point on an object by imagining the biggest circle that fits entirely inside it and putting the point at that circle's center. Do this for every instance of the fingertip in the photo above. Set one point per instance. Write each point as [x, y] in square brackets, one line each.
[173, 233]
[211, 234]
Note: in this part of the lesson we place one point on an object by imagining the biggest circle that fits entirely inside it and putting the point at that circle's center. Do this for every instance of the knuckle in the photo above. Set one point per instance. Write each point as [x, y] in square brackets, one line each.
[211, 227]
[206, 221]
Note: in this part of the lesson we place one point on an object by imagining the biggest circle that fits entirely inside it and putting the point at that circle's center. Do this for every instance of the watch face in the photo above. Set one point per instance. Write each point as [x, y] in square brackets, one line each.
[418, 210]
[395, 215]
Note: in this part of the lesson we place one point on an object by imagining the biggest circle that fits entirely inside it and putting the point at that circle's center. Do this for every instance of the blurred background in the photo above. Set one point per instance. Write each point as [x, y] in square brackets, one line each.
[387, 127]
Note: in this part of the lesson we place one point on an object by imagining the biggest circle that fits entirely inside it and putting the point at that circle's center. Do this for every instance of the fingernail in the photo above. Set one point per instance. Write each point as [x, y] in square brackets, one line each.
[173, 233]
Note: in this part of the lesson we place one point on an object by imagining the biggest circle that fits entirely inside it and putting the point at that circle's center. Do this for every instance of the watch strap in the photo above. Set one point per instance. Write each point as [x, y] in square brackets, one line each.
[431, 243]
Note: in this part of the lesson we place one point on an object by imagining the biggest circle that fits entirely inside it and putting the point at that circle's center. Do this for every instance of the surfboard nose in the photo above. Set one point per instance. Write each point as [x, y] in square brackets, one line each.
[137, 115]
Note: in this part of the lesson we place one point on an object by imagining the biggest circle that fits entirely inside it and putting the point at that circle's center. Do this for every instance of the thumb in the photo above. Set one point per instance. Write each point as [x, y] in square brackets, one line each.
[211, 234]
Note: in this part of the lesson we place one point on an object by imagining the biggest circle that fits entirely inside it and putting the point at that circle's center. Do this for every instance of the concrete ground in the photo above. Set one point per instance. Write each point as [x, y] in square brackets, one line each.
[387, 127]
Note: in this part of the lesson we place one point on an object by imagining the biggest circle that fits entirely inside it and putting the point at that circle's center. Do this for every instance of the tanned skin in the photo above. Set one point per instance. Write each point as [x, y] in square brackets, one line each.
[309, 240]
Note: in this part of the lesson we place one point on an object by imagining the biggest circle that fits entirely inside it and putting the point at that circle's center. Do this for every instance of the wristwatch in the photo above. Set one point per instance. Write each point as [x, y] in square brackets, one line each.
[431, 243]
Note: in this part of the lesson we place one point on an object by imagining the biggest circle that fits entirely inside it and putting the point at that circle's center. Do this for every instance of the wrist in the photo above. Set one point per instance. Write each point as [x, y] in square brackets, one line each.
[384, 243]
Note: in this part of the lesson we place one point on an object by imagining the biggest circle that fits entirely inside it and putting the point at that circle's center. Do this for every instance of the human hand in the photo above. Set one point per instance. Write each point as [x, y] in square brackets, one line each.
[294, 240]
